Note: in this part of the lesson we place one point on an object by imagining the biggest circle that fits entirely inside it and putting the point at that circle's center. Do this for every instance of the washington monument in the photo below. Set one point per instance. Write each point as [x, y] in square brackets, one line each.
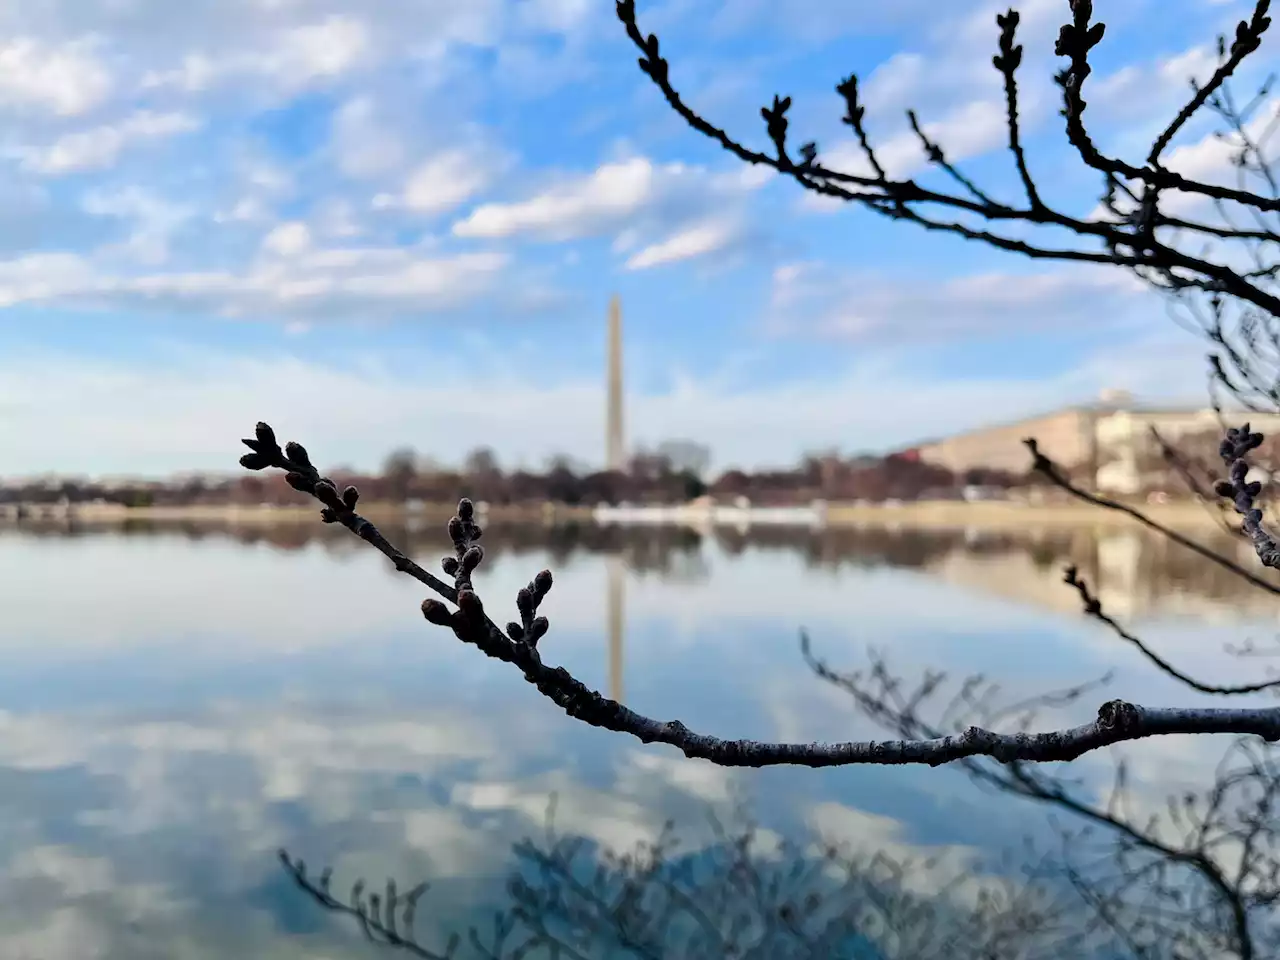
[615, 452]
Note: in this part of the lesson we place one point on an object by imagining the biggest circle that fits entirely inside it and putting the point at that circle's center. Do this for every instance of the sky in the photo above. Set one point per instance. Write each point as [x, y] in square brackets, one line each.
[400, 222]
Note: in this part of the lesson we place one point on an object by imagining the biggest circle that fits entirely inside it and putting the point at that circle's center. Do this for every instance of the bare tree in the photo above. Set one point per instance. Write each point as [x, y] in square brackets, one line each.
[399, 469]
[481, 462]
[686, 456]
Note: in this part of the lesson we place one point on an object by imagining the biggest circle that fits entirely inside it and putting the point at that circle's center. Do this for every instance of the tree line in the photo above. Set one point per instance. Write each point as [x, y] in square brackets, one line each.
[650, 478]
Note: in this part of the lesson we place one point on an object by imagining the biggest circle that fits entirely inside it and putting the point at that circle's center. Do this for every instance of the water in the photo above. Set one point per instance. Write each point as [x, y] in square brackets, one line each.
[178, 704]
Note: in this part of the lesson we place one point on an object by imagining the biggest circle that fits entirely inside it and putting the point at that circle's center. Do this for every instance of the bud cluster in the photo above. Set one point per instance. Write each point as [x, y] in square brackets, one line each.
[1243, 494]
[300, 473]
[467, 555]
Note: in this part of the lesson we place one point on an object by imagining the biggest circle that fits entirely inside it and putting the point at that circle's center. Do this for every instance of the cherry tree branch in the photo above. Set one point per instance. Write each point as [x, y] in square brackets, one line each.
[1116, 721]
[1140, 239]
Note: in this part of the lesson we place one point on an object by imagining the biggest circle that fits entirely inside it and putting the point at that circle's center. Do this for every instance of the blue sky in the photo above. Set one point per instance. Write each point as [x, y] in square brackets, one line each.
[401, 221]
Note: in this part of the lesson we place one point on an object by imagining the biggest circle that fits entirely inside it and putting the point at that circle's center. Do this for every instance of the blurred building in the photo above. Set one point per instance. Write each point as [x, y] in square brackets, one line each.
[1107, 444]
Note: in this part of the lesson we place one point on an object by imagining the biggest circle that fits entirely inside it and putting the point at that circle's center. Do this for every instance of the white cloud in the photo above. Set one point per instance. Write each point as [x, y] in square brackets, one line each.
[695, 241]
[99, 147]
[41, 275]
[1196, 64]
[65, 79]
[573, 209]
[288, 239]
[303, 281]
[363, 146]
[255, 186]
[445, 181]
[154, 220]
[324, 49]
[269, 49]
[294, 58]
[335, 219]
[671, 211]
[197, 72]
[558, 16]
[896, 82]
[417, 170]
[1209, 159]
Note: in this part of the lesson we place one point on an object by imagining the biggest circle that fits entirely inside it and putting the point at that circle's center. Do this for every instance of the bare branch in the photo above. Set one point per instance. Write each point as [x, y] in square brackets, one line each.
[1007, 62]
[1093, 608]
[1248, 37]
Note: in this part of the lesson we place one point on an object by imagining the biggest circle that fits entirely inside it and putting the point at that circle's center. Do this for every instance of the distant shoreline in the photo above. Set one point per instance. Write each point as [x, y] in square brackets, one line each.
[269, 515]
[941, 514]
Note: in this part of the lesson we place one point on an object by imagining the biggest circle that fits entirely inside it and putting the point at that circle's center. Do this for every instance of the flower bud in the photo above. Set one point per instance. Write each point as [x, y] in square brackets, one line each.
[455, 529]
[327, 494]
[266, 436]
[538, 629]
[542, 583]
[469, 603]
[436, 612]
[297, 453]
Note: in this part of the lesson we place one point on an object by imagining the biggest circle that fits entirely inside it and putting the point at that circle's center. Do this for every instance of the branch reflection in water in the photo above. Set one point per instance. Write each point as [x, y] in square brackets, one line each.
[738, 890]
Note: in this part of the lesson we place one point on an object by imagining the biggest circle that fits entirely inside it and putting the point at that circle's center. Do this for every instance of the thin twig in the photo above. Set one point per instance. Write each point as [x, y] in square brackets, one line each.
[1093, 608]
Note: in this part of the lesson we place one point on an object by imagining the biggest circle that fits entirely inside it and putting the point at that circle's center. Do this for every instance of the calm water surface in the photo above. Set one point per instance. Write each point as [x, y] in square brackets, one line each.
[176, 705]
